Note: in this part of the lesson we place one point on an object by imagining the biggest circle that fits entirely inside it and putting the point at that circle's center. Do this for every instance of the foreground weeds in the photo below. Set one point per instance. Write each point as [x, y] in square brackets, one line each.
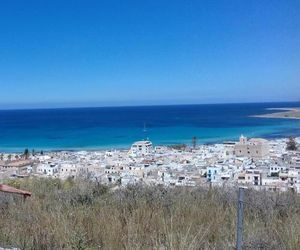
[85, 215]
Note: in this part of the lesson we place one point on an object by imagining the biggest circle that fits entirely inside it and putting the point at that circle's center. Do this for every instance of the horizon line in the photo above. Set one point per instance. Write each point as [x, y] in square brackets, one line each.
[142, 105]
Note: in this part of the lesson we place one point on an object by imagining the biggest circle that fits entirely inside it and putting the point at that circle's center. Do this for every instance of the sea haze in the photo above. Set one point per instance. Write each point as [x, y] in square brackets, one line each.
[118, 127]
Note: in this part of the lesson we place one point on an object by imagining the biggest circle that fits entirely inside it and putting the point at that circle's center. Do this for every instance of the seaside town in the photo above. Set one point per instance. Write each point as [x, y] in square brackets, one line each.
[257, 163]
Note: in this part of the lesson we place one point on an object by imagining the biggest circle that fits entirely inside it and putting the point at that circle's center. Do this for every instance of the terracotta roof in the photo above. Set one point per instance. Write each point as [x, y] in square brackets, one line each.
[18, 163]
[8, 189]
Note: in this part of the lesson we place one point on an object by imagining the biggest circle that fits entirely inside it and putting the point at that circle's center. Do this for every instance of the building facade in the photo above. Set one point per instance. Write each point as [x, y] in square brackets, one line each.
[254, 148]
[142, 148]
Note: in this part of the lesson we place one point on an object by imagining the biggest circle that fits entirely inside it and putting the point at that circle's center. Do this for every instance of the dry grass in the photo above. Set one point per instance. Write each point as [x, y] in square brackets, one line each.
[85, 215]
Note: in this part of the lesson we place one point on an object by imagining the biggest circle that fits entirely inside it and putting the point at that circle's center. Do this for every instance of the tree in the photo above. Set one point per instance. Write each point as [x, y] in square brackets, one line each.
[291, 144]
[33, 152]
[26, 153]
[194, 141]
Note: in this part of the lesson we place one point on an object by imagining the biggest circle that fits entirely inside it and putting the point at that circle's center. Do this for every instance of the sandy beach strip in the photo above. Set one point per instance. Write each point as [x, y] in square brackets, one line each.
[288, 113]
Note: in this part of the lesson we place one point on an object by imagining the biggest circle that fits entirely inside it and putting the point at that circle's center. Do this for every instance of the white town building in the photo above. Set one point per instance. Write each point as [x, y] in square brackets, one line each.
[141, 148]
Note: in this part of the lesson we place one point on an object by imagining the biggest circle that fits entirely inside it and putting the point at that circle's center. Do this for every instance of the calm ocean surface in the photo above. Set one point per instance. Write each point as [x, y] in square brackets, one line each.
[118, 127]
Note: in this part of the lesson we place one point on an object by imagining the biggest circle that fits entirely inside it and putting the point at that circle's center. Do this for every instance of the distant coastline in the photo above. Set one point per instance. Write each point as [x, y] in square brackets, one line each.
[288, 113]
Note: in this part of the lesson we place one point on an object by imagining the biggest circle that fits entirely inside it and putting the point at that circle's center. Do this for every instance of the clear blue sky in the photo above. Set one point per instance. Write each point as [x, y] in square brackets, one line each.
[84, 53]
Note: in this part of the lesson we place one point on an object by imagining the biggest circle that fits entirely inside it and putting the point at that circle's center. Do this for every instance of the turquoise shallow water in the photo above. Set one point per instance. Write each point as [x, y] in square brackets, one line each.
[118, 127]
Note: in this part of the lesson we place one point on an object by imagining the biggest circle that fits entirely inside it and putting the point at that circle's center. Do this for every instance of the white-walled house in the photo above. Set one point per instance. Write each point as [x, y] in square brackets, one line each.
[67, 170]
[49, 169]
[275, 170]
[212, 174]
[141, 148]
[250, 177]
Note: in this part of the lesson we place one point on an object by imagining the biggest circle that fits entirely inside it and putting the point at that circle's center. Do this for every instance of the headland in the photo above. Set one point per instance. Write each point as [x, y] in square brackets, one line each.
[286, 113]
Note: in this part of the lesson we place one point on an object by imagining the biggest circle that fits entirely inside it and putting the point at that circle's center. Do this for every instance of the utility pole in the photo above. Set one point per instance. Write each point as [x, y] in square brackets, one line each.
[240, 219]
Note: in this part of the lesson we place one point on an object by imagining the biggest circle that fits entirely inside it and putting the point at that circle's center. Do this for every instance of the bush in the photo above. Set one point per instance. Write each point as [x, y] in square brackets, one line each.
[291, 144]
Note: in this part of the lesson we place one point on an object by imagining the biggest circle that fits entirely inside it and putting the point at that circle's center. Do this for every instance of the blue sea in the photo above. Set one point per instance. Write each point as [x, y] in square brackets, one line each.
[118, 127]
